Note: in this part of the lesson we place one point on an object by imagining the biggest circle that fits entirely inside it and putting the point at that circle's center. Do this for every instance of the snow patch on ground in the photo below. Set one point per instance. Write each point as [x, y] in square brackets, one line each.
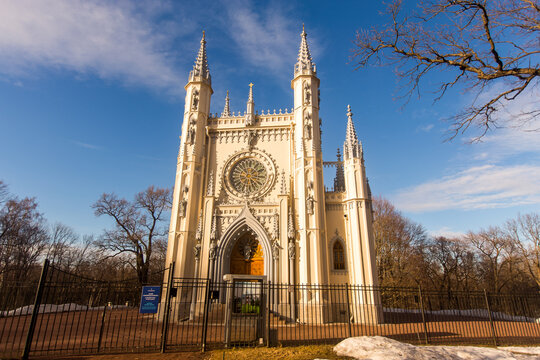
[53, 308]
[381, 348]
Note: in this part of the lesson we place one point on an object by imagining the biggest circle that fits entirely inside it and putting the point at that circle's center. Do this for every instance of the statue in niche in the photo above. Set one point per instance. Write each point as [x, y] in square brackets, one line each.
[212, 251]
[191, 132]
[307, 131]
[275, 250]
[307, 94]
[310, 202]
[197, 251]
[195, 101]
[292, 250]
[183, 206]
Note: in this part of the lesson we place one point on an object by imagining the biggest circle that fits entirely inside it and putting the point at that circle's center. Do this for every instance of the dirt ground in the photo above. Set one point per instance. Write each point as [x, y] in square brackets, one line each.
[262, 353]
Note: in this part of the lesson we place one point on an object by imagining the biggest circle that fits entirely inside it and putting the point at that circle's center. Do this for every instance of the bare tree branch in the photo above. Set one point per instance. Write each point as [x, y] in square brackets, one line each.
[475, 42]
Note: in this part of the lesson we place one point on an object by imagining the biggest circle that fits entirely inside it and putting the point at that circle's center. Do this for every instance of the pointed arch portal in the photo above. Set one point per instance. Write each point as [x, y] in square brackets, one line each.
[245, 240]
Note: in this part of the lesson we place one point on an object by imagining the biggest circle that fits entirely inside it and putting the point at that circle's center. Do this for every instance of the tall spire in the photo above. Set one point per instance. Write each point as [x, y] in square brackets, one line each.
[226, 110]
[200, 69]
[305, 64]
[352, 148]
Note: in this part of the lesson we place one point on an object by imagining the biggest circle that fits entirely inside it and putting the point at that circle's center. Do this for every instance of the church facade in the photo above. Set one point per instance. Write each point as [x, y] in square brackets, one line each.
[249, 196]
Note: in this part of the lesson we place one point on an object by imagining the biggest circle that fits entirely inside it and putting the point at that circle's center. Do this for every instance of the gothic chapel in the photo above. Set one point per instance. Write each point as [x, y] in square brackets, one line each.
[249, 196]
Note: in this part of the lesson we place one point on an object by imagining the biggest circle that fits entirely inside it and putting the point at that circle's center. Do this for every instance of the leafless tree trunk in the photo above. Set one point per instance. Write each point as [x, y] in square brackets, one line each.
[137, 225]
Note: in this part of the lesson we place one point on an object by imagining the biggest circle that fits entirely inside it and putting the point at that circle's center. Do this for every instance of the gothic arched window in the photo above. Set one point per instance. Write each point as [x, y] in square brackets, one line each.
[339, 256]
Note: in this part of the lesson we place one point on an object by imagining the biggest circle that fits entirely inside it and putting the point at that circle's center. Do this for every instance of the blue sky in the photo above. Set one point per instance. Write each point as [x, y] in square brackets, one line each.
[91, 101]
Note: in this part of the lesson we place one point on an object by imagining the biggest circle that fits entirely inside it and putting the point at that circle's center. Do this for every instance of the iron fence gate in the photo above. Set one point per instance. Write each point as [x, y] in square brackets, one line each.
[70, 314]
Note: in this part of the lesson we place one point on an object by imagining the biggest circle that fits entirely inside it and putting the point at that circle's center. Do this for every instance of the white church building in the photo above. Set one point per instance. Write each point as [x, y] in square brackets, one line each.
[249, 196]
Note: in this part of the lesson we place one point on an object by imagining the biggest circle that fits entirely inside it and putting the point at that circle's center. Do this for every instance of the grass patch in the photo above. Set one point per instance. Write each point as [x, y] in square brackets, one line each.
[277, 353]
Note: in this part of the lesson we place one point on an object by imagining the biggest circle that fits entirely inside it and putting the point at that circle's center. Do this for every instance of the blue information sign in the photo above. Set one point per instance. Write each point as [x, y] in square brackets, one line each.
[150, 299]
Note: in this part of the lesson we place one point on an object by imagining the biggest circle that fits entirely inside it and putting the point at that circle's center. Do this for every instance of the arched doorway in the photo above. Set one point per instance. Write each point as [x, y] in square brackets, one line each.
[247, 256]
[244, 226]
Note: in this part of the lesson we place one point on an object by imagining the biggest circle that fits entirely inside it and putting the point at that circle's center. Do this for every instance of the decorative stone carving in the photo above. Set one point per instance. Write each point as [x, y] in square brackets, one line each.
[283, 187]
[195, 100]
[275, 249]
[212, 250]
[292, 250]
[198, 233]
[182, 208]
[307, 94]
[213, 231]
[237, 181]
[275, 228]
[210, 189]
[307, 131]
[197, 250]
[310, 204]
[251, 136]
[191, 132]
[290, 226]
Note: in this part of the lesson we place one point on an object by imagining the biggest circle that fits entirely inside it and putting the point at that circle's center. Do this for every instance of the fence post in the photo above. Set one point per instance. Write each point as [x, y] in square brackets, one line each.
[205, 314]
[490, 318]
[166, 311]
[267, 303]
[348, 309]
[103, 317]
[35, 310]
[423, 314]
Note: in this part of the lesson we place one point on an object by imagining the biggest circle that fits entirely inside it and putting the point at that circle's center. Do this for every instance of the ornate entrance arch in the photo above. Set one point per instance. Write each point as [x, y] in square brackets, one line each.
[244, 224]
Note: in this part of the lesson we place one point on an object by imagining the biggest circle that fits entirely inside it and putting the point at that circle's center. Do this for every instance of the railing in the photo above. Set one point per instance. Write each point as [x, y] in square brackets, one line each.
[69, 314]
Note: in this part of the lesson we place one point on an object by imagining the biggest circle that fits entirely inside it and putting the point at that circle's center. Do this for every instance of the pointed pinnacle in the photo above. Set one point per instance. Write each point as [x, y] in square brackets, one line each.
[226, 110]
[250, 97]
[200, 68]
[351, 147]
[304, 61]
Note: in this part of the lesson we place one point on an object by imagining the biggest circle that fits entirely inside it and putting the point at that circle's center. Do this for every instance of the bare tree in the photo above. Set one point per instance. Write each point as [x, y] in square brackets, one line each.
[398, 245]
[23, 238]
[476, 43]
[525, 235]
[495, 250]
[4, 193]
[137, 226]
[450, 264]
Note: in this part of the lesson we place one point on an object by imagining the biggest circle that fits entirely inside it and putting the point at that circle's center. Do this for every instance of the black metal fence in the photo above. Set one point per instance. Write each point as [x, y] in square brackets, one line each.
[69, 314]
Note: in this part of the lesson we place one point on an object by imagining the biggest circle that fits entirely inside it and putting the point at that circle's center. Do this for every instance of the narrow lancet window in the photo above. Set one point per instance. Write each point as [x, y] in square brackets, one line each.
[339, 256]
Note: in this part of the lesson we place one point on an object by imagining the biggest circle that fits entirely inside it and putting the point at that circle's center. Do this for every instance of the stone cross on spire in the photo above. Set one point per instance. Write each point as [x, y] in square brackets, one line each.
[250, 113]
[200, 68]
[226, 110]
[352, 148]
[305, 64]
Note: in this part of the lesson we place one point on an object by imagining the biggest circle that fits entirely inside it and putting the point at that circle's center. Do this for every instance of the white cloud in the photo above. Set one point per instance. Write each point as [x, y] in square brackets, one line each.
[86, 145]
[479, 187]
[114, 40]
[425, 128]
[266, 36]
[447, 232]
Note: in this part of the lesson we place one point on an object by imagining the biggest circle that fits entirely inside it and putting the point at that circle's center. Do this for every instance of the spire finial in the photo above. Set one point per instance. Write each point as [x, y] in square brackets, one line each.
[352, 147]
[200, 68]
[226, 110]
[250, 112]
[305, 63]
